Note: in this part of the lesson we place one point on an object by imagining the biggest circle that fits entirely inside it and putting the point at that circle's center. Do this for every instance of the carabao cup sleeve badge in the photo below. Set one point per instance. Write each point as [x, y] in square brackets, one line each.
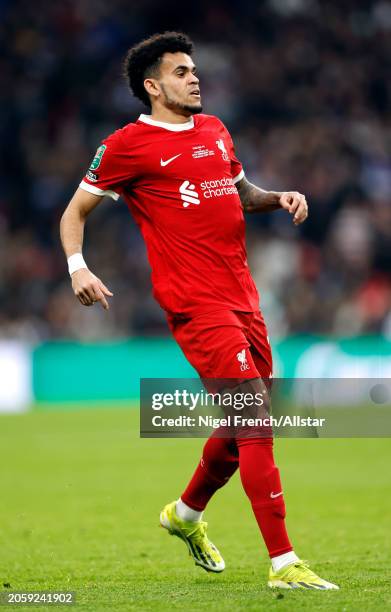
[98, 157]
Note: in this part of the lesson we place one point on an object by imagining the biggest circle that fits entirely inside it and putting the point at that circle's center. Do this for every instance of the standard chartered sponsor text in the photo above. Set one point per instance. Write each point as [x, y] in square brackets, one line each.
[218, 187]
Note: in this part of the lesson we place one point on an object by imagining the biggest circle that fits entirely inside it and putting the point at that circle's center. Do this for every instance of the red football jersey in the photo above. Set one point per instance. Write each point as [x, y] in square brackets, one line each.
[178, 181]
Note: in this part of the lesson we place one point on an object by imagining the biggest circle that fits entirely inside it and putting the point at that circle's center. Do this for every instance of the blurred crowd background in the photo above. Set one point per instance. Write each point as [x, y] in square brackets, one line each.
[303, 86]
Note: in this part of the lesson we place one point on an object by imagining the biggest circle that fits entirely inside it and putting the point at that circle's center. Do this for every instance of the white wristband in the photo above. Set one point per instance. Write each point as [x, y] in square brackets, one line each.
[76, 262]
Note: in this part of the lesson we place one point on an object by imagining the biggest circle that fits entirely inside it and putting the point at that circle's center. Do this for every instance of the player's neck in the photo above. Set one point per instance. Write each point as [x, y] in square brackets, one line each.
[165, 115]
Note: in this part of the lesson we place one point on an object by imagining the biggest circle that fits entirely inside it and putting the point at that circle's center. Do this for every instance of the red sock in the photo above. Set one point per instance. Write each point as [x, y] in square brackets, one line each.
[219, 461]
[261, 479]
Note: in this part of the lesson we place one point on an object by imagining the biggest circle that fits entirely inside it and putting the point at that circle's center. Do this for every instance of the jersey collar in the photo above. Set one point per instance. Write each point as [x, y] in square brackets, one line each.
[173, 127]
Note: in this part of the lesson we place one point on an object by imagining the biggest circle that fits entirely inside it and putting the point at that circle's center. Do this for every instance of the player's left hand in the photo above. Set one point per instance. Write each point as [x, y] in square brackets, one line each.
[296, 204]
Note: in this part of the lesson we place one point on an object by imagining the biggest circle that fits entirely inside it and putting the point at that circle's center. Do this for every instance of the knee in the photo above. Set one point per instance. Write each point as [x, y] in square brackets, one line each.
[258, 437]
[220, 456]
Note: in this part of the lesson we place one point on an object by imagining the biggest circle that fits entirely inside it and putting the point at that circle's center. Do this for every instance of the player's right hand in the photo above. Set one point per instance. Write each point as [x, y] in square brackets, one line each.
[89, 289]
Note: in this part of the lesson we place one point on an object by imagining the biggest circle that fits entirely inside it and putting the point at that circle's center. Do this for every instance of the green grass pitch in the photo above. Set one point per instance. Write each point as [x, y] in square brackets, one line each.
[80, 495]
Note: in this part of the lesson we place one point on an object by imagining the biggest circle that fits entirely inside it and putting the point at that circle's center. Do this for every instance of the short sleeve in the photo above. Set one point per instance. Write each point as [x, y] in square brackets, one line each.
[237, 171]
[110, 170]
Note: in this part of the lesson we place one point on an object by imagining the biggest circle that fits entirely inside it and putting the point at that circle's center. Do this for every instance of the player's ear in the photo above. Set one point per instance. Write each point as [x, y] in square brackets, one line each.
[152, 87]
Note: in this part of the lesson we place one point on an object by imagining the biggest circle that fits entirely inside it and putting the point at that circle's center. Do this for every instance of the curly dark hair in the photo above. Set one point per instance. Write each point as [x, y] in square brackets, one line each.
[143, 60]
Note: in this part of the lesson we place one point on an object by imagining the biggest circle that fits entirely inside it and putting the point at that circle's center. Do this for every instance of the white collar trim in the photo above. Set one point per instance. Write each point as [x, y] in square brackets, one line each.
[173, 127]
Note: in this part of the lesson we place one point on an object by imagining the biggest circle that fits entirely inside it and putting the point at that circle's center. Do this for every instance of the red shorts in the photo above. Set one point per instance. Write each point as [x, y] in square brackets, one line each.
[225, 344]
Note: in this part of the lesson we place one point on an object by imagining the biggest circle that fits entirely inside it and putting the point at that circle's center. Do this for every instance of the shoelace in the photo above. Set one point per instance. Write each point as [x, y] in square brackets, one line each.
[200, 537]
[292, 569]
[197, 532]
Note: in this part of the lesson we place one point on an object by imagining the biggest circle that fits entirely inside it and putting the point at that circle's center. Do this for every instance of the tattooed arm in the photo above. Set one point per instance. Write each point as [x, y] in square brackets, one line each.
[254, 199]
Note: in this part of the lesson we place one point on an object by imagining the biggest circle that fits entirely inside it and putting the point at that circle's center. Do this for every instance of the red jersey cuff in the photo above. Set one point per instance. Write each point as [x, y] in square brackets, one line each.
[99, 192]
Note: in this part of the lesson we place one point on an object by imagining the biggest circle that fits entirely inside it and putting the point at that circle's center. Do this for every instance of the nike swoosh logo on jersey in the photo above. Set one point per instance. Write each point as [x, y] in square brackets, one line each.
[168, 161]
[274, 495]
